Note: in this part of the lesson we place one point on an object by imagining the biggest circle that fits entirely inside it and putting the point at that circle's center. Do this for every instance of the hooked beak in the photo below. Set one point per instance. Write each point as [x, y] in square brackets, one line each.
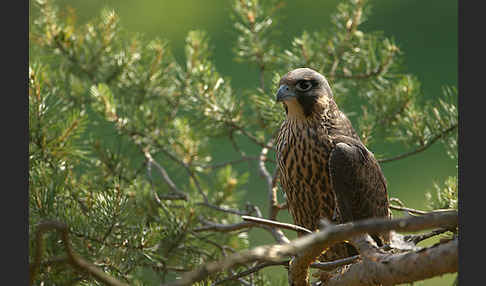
[284, 93]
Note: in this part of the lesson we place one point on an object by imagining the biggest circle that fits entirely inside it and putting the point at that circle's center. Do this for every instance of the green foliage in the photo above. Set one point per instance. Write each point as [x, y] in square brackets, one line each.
[445, 196]
[120, 133]
[254, 20]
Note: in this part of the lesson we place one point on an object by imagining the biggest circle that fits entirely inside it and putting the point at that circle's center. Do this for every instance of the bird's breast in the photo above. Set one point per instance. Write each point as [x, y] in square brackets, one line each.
[302, 155]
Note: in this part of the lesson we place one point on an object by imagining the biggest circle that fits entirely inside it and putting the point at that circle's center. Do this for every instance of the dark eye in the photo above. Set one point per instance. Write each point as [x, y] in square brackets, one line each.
[304, 85]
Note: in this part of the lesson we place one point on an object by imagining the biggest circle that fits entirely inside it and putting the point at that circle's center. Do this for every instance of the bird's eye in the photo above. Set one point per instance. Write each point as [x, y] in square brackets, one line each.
[304, 85]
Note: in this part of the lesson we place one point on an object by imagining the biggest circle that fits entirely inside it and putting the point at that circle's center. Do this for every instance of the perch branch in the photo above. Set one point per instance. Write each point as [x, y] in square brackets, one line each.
[323, 239]
[298, 271]
[402, 268]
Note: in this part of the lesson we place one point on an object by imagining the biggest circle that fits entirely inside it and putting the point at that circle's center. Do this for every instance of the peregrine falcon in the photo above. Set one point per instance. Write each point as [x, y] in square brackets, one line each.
[325, 169]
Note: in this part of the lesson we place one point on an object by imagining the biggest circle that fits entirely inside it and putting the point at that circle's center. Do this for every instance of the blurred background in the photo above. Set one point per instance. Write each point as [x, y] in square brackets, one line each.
[425, 31]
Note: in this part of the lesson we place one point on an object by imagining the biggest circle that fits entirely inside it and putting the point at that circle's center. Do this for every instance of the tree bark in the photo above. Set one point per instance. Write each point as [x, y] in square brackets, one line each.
[401, 268]
[337, 233]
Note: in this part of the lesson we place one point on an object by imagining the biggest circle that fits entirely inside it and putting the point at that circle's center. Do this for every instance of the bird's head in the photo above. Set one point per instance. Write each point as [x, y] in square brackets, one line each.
[303, 92]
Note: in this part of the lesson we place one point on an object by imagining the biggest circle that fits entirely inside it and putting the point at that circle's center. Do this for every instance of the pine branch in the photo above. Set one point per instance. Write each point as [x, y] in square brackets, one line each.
[323, 239]
[188, 170]
[177, 194]
[422, 148]
[74, 259]
[402, 268]
[327, 266]
[381, 69]
[351, 27]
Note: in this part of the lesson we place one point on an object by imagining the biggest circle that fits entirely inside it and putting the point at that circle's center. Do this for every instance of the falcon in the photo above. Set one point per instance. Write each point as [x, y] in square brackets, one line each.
[325, 169]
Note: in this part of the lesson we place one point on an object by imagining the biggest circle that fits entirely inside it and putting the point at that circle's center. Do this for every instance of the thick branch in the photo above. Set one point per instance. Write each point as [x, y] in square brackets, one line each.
[325, 238]
[402, 268]
[298, 272]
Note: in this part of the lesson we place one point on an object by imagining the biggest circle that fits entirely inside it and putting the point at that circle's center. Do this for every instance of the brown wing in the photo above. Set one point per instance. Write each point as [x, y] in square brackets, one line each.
[357, 180]
[341, 125]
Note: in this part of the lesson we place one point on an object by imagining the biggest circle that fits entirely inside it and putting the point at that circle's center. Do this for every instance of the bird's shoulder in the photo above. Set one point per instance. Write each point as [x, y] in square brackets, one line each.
[341, 126]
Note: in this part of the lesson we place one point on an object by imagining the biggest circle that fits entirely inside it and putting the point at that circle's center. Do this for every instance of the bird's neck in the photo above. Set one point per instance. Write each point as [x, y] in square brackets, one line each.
[324, 110]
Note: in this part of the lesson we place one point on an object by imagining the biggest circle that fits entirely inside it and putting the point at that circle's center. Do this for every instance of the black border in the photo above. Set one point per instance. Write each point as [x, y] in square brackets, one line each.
[470, 143]
[15, 143]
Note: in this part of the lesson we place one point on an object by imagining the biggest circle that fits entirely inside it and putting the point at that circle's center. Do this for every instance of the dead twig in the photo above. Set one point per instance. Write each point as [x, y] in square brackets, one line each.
[271, 181]
[412, 211]
[416, 238]
[212, 226]
[327, 266]
[177, 194]
[188, 170]
[223, 209]
[232, 162]
[276, 224]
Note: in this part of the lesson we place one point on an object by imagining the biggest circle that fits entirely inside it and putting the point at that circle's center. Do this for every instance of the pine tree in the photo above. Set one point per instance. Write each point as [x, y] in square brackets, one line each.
[123, 184]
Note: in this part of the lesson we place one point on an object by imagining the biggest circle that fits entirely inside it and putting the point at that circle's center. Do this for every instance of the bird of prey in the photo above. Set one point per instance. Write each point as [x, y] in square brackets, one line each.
[325, 169]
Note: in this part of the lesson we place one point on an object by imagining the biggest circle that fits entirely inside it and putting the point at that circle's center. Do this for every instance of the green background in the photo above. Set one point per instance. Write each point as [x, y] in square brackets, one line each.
[425, 31]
